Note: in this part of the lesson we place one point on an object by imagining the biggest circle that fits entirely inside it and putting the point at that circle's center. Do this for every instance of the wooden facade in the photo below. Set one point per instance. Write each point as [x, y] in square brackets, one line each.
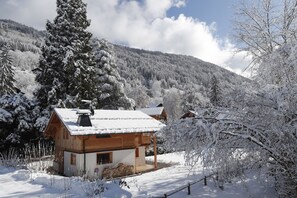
[161, 117]
[157, 113]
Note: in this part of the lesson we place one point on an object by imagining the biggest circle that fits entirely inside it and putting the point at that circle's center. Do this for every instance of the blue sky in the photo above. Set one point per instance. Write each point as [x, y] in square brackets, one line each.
[219, 11]
[199, 28]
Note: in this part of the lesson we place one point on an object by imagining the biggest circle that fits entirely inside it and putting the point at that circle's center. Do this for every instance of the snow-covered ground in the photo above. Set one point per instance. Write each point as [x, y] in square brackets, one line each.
[25, 183]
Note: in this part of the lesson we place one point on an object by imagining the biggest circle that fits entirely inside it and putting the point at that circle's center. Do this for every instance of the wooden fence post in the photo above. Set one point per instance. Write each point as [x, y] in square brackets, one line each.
[189, 189]
[200, 180]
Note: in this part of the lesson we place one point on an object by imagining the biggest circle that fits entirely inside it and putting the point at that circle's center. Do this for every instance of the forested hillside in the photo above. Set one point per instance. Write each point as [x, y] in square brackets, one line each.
[157, 70]
[25, 43]
[148, 75]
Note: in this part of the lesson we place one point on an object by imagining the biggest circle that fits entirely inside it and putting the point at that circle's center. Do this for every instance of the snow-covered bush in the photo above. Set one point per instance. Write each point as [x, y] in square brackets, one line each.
[11, 158]
[94, 188]
[103, 188]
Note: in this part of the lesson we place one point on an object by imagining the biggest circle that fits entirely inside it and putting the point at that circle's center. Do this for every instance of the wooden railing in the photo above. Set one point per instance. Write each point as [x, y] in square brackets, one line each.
[188, 186]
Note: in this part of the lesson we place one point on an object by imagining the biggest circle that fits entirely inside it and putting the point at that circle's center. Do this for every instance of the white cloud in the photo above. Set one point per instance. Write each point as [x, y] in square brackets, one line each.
[180, 3]
[147, 26]
[12, 2]
[29, 12]
[140, 24]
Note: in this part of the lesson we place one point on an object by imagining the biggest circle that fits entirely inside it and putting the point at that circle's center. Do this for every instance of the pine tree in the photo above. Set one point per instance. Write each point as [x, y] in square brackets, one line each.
[110, 84]
[66, 70]
[215, 92]
[6, 72]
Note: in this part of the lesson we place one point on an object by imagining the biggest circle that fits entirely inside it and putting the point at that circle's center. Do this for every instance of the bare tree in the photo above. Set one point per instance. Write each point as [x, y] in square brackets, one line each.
[172, 104]
[262, 26]
[263, 125]
[263, 134]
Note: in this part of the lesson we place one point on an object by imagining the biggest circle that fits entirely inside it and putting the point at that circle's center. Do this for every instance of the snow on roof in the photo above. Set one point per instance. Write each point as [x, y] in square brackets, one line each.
[83, 111]
[109, 122]
[193, 112]
[152, 110]
[188, 114]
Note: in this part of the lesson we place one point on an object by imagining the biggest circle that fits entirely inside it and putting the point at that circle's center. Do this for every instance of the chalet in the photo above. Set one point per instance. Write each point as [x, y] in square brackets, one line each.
[90, 142]
[155, 112]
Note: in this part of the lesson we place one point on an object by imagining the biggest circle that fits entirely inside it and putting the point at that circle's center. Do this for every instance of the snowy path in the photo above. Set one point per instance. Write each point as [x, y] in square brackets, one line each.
[158, 182]
[165, 180]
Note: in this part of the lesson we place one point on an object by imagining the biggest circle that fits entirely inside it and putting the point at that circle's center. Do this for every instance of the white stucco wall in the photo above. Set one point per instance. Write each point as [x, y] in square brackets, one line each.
[120, 156]
[140, 161]
[71, 170]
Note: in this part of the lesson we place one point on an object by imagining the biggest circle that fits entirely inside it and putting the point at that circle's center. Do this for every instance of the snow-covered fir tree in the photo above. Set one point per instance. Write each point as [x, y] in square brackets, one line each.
[17, 121]
[6, 72]
[66, 72]
[215, 92]
[110, 86]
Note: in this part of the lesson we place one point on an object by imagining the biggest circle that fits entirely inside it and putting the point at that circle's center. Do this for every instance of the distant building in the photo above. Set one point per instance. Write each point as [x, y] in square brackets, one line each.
[86, 144]
[189, 114]
[156, 112]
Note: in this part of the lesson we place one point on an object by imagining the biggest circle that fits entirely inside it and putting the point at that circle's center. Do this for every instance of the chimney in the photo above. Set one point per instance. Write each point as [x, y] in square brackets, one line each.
[84, 118]
[84, 104]
[87, 104]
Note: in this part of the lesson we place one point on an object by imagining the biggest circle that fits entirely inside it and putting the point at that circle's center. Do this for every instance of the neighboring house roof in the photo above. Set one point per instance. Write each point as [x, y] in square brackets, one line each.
[189, 113]
[152, 110]
[109, 122]
[193, 112]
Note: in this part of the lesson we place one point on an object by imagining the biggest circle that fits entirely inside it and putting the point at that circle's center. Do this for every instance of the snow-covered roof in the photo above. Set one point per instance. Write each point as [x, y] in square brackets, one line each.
[152, 110]
[193, 112]
[109, 122]
[189, 113]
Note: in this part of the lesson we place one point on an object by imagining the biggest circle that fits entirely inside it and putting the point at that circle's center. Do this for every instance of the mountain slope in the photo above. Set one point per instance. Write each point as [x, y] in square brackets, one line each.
[183, 69]
[150, 74]
[25, 43]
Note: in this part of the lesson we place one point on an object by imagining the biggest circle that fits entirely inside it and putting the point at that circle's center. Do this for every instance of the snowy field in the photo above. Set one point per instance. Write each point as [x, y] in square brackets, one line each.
[26, 183]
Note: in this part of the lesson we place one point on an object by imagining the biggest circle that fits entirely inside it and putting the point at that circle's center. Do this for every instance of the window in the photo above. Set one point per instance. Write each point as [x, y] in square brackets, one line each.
[73, 159]
[137, 152]
[104, 158]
